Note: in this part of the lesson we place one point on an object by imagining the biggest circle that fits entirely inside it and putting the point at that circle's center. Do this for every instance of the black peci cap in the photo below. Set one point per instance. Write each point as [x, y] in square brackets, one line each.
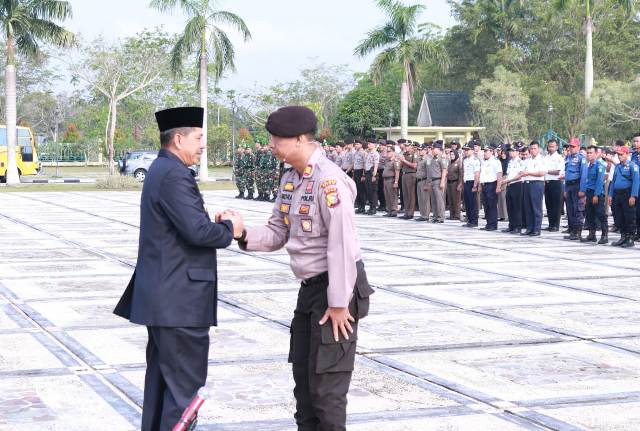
[291, 121]
[173, 118]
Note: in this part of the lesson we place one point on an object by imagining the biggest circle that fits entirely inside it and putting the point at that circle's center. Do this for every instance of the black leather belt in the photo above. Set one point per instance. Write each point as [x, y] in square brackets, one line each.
[436, 179]
[317, 279]
[572, 182]
[421, 179]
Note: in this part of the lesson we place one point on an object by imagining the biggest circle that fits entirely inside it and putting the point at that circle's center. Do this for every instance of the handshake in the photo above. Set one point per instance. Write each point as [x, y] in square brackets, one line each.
[235, 218]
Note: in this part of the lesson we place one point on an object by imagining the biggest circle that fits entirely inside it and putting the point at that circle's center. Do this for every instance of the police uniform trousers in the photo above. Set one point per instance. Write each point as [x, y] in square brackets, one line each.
[514, 205]
[409, 193]
[437, 199]
[470, 202]
[390, 195]
[502, 205]
[553, 202]
[177, 360]
[380, 185]
[423, 192]
[624, 214]
[453, 195]
[575, 205]
[400, 182]
[371, 189]
[595, 214]
[533, 193]
[490, 204]
[321, 366]
[361, 197]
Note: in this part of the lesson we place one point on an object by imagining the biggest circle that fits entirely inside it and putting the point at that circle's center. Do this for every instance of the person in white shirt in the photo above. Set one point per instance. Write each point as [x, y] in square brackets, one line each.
[471, 178]
[513, 183]
[533, 179]
[554, 163]
[490, 179]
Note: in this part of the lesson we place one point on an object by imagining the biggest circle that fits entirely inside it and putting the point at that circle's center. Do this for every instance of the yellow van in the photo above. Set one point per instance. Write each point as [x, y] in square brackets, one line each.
[26, 152]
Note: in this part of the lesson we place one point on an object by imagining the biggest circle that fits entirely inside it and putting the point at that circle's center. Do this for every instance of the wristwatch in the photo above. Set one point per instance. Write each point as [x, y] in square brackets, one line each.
[243, 237]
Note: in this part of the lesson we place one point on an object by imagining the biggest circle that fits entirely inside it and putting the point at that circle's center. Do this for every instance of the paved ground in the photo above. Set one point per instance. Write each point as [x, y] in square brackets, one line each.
[469, 330]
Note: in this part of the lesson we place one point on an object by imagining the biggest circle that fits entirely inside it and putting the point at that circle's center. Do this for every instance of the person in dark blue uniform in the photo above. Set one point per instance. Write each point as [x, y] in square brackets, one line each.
[623, 192]
[635, 158]
[575, 175]
[173, 290]
[594, 191]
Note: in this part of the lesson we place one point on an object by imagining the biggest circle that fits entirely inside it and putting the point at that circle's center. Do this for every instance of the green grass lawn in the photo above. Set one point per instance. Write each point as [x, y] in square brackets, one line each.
[74, 187]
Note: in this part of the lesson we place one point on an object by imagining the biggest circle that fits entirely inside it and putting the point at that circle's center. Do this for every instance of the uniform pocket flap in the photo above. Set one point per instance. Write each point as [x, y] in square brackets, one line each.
[362, 284]
[326, 331]
[201, 274]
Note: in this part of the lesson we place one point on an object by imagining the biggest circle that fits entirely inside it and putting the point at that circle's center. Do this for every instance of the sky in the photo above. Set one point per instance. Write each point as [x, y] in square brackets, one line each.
[287, 35]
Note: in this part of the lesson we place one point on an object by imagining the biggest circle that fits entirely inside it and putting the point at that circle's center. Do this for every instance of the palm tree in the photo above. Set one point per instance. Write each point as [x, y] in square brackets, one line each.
[210, 44]
[402, 45]
[562, 5]
[26, 23]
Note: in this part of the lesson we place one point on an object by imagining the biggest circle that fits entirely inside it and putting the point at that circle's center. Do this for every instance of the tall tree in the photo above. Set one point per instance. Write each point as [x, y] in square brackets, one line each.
[401, 43]
[561, 5]
[26, 23]
[203, 37]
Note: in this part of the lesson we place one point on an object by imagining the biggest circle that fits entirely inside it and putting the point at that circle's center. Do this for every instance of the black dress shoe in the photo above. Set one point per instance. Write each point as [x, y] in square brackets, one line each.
[489, 229]
[526, 232]
[390, 215]
[406, 217]
[360, 211]
[515, 232]
[507, 230]
[470, 225]
[420, 219]
[553, 229]
[535, 233]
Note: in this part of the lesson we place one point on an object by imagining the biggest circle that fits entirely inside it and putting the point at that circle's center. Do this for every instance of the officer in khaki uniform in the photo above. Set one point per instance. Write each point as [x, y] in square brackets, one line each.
[391, 177]
[438, 174]
[423, 183]
[313, 219]
[454, 184]
[409, 164]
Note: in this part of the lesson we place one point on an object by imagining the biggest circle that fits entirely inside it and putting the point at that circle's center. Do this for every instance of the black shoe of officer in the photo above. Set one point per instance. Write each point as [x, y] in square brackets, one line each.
[628, 242]
[636, 237]
[591, 237]
[614, 229]
[576, 235]
[604, 238]
[360, 211]
[620, 241]
[571, 233]
[567, 230]
[372, 211]
[240, 196]
[508, 230]
[250, 196]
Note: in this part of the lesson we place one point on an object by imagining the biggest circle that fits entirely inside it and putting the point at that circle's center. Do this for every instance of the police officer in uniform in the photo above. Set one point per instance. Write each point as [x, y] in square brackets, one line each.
[594, 190]
[438, 174]
[553, 185]
[173, 289]
[575, 176]
[513, 183]
[313, 219]
[533, 189]
[490, 179]
[371, 164]
[391, 178]
[423, 183]
[623, 193]
[471, 178]
[347, 157]
[408, 160]
[382, 150]
[358, 176]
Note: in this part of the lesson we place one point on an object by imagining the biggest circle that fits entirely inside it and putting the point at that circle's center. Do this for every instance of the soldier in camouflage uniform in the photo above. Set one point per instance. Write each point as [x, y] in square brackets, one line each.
[263, 166]
[238, 172]
[249, 167]
[274, 176]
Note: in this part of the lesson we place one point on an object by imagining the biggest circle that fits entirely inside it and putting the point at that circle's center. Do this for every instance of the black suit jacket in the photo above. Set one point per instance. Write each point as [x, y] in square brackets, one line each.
[175, 280]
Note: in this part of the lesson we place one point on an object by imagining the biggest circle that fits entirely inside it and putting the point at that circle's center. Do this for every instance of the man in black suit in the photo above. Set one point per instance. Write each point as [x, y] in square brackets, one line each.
[174, 288]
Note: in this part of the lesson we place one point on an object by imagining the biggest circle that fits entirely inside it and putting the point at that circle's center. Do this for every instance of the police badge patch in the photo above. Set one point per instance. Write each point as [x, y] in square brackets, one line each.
[332, 198]
[288, 187]
[307, 171]
[307, 225]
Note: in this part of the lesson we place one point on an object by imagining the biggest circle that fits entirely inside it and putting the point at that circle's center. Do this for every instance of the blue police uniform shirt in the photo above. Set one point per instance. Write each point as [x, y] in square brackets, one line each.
[635, 157]
[595, 178]
[576, 169]
[625, 176]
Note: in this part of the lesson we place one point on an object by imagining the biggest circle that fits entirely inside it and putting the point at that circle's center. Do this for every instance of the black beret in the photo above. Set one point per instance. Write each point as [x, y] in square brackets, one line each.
[188, 116]
[402, 141]
[371, 140]
[291, 121]
[438, 144]
[390, 142]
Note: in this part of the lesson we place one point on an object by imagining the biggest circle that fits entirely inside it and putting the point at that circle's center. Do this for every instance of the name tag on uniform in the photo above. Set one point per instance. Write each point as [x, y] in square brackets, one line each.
[309, 188]
[304, 209]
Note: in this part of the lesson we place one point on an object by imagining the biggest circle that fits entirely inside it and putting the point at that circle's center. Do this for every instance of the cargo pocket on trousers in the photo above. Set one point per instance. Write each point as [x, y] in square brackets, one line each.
[336, 357]
[299, 341]
[363, 291]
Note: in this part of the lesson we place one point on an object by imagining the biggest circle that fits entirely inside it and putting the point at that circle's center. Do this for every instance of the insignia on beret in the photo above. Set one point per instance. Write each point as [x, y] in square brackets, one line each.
[307, 171]
[286, 220]
[304, 209]
[328, 183]
[309, 188]
[288, 187]
[306, 225]
[285, 208]
[332, 198]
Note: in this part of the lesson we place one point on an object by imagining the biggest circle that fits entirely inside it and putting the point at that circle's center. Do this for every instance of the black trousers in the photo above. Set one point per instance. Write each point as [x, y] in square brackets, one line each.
[177, 360]
[490, 204]
[553, 202]
[381, 196]
[533, 193]
[624, 213]
[514, 205]
[596, 216]
[470, 206]
[371, 189]
[321, 366]
[575, 205]
[361, 197]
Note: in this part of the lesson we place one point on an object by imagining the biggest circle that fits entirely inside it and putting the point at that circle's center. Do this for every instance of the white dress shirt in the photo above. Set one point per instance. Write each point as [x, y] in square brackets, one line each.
[514, 168]
[534, 164]
[554, 162]
[470, 165]
[489, 170]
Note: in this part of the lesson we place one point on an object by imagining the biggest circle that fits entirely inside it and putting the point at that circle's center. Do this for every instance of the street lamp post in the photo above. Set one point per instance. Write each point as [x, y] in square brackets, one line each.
[550, 111]
[56, 114]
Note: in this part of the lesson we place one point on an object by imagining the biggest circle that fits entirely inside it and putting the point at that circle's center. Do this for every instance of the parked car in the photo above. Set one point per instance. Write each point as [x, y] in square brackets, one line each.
[137, 163]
